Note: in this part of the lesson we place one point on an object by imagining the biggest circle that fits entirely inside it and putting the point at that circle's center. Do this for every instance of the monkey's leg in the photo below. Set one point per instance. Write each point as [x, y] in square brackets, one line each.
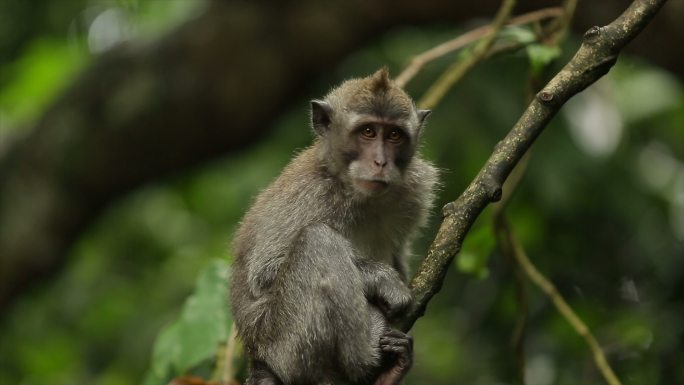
[260, 374]
[322, 329]
[398, 348]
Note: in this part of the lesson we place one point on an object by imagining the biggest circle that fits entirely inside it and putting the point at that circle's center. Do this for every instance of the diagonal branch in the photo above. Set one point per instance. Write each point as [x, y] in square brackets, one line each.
[419, 61]
[458, 69]
[594, 58]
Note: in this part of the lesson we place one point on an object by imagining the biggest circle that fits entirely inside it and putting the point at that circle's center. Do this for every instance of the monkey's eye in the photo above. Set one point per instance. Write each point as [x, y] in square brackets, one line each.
[396, 136]
[368, 132]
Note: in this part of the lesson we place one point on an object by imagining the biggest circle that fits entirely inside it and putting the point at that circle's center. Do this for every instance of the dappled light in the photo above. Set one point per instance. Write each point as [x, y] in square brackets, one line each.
[595, 123]
[109, 28]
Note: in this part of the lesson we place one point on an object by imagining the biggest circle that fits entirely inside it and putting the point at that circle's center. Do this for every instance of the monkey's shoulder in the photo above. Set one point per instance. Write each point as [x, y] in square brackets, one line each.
[302, 188]
[298, 197]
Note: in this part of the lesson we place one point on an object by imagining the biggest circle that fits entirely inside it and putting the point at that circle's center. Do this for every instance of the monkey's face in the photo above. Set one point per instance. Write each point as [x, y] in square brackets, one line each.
[377, 154]
[369, 148]
[368, 129]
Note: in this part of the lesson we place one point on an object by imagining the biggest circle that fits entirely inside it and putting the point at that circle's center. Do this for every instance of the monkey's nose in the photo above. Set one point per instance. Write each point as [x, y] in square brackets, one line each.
[380, 163]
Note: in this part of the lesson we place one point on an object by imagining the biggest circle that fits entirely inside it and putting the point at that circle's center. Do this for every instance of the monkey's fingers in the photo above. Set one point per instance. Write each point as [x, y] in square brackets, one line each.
[397, 334]
[406, 339]
[396, 342]
[393, 341]
[396, 349]
[400, 350]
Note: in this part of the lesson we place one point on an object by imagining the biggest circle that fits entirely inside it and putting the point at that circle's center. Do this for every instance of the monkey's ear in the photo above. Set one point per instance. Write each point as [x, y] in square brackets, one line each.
[422, 114]
[320, 116]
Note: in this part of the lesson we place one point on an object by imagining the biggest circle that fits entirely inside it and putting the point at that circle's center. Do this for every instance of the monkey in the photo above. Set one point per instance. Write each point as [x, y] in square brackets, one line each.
[320, 258]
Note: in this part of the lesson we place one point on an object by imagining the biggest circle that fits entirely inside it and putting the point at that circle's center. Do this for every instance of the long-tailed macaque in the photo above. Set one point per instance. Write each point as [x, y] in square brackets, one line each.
[320, 258]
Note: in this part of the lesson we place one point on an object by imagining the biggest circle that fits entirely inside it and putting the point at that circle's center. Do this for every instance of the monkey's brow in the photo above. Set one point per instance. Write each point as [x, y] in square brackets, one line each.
[378, 119]
[389, 126]
[384, 108]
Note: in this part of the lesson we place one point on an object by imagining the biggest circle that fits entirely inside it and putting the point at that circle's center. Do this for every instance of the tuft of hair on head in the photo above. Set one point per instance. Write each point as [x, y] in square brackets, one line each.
[380, 80]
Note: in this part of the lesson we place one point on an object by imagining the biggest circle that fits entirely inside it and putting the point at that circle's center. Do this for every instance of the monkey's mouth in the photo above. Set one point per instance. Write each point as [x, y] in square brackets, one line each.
[373, 185]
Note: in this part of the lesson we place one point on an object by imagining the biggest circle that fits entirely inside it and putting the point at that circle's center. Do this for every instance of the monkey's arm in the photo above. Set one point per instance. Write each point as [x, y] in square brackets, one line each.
[384, 287]
[400, 261]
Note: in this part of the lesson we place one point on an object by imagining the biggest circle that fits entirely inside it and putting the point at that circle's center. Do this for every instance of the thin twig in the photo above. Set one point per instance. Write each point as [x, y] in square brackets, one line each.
[566, 311]
[562, 23]
[228, 373]
[419, 61]
[518, 335]
[440, 87]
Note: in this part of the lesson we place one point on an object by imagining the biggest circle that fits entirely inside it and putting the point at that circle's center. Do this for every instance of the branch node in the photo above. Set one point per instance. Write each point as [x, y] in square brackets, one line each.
[606, 64]
[448, 209]
[492, 188]
[496, 194]
[545, 97]
[592, 34]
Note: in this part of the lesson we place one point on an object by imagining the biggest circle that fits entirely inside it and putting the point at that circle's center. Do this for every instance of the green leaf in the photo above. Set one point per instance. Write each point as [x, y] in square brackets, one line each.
[152, 379]
[517, 34]
[166, 350]
[541, 55]
[202, 326]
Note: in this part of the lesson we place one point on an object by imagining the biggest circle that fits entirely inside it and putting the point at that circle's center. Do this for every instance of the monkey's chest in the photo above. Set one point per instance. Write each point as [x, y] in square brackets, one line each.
[374, 245]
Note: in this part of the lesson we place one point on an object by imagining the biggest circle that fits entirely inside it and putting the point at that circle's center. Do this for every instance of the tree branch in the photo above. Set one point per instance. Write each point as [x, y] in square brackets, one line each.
[419, 61]
[458, 69]
[594, 58]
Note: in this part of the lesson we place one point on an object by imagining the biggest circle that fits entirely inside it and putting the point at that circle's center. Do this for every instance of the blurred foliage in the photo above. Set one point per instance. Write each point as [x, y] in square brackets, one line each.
[43, 44]
[600, 210]
[199, 332]
[47, 65]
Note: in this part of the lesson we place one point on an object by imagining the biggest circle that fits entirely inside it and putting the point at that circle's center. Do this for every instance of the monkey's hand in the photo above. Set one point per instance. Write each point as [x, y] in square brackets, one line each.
[385, 289]
[397, 349]
[393, 299]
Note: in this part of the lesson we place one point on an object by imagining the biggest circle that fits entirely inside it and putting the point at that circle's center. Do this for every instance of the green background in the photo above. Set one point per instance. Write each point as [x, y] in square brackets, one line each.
[600, 210]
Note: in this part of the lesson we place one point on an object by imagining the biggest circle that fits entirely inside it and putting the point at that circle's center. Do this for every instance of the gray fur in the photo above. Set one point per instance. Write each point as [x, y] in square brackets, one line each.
[318, 266]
